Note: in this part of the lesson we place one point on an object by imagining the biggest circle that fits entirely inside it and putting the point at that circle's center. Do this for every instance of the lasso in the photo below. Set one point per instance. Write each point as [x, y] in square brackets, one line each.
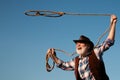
[48, 13]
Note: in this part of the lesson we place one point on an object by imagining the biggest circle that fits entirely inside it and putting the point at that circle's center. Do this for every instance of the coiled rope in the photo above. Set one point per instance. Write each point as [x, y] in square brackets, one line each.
[51, 54]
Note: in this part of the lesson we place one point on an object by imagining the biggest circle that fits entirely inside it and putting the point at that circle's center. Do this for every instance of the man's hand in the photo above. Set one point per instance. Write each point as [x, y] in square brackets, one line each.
[113, 18]
[52, 51]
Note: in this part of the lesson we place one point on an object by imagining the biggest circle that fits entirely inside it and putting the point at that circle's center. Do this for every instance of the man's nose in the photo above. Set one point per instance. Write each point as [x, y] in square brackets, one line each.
[78, 44]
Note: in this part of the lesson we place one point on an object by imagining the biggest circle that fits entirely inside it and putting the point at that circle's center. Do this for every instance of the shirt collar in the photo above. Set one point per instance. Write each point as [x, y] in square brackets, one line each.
[85, 55]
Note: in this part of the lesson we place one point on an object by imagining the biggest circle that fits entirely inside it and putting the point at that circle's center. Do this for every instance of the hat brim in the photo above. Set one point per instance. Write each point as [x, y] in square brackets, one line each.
[86, 42]
[81, 41]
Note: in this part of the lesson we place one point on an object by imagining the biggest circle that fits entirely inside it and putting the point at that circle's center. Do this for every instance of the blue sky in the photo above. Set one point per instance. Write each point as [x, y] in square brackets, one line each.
[24, 40]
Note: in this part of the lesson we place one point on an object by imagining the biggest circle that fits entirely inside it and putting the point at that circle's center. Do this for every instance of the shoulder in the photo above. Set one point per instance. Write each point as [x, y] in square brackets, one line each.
[98, 53]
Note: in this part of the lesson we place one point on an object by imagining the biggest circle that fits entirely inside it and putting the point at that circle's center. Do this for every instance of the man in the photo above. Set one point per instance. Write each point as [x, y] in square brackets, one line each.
[89, 64]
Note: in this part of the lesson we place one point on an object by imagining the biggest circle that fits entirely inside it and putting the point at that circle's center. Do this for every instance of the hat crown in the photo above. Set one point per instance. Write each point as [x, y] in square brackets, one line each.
[84, 38]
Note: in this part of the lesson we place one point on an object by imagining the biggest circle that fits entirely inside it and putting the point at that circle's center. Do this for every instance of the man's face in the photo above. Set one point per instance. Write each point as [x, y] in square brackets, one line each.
[81, 48]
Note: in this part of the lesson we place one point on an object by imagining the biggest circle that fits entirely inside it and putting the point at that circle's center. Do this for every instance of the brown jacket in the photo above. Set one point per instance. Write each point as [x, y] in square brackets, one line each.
[96, 66]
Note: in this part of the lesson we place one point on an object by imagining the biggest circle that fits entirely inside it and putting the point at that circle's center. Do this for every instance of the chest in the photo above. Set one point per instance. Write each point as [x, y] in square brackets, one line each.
[83, 63]
[83, 68]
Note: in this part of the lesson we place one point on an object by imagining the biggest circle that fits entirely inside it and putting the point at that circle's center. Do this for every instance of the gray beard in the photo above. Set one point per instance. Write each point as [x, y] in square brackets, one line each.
[82, 51]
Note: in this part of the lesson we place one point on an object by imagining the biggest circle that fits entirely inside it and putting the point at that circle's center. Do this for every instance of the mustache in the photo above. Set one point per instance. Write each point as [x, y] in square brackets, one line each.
[79, 48]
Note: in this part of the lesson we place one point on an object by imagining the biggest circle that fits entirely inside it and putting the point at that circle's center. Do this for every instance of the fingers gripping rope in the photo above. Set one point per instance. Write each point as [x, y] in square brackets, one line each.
[49, 55]
[52, 54]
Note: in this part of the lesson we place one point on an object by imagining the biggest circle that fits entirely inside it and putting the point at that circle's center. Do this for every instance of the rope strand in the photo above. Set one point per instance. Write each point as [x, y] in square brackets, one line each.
[87, 14]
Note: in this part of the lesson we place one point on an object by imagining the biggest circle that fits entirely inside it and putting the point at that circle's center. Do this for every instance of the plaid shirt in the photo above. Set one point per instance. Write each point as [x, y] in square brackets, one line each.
[83, 67]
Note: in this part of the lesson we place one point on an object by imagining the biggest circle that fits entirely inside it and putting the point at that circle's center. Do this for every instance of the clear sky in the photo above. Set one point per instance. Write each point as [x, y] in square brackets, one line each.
[24, 40]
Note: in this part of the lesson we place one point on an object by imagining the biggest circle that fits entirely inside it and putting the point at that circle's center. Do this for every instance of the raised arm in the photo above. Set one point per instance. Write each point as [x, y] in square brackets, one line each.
[113, 21]
[110, 38]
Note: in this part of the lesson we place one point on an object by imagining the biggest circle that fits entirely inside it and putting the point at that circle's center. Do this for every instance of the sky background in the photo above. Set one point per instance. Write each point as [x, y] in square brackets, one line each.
[24, 40]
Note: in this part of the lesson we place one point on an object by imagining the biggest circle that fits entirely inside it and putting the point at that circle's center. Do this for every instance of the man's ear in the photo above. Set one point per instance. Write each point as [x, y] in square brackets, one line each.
[88, 47]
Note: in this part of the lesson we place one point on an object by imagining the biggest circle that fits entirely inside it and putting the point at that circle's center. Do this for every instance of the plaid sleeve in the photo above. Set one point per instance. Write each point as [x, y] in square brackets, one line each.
[106, 44]
[69, 66]
[103, 47]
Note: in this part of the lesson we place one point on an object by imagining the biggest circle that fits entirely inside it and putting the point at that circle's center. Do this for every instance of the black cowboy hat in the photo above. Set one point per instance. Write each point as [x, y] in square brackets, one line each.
[86, 40]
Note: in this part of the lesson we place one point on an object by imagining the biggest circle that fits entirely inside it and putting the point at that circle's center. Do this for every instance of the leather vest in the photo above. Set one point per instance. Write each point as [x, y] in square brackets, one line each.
[96, 67]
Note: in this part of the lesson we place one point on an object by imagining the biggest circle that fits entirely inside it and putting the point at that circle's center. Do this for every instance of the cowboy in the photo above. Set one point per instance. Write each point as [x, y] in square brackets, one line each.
[89, 65]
